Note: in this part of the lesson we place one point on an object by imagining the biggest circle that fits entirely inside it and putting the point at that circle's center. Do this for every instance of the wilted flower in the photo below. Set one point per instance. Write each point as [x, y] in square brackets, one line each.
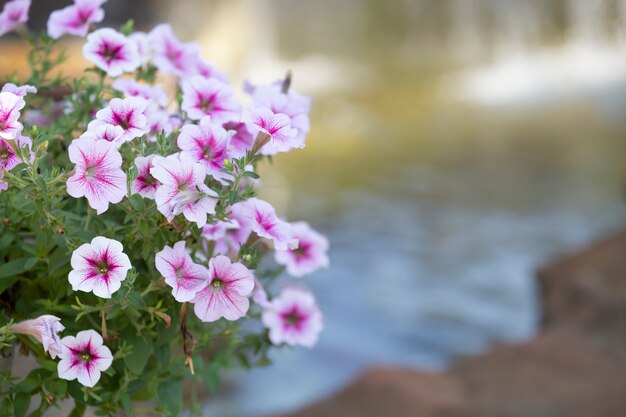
[209, 97]
[145, 184]
[45, 329]
[126, 113]
[266, 224]
[84, 357]
[99, 267]
[309, 256]
[180, 272]
[293, 318]
[10, 106]
[112, 52]
[98, 175]
[206, 143]
[182, 190]
[75, 19]
[226, 295]
[13, 14]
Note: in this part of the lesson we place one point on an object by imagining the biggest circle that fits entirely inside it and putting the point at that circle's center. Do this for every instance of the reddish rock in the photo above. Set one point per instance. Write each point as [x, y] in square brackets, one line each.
[576, 366]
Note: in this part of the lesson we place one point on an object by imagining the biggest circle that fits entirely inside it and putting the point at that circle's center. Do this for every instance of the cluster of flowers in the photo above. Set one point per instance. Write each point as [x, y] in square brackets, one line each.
[212, 131]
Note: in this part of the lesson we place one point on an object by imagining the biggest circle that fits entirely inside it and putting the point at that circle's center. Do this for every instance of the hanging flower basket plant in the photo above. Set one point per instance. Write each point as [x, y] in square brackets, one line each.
[134, 251]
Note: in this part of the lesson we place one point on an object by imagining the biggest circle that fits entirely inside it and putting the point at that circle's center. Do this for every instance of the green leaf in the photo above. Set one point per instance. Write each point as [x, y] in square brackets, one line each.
[79, 410]
[138, 358]
[251, 174]
[20, 404]
[170, 394]
[14, 267]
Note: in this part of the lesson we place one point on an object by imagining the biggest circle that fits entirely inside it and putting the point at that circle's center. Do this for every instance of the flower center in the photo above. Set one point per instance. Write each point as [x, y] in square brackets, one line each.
[293, 318]
[109, 53]
[102, 267]
[206, 105]
[217, 283]
[91, 171]
[4, 153]
[207, 152]
[179, 272]
[84, 356]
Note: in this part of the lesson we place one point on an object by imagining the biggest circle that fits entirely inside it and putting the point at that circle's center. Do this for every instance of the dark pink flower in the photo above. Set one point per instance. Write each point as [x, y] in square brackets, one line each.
[180, 272]
[98, 175]
[128, 113]
[10, 106]
[209, 97]
[206, 143]
[293, 318]
[75, 19]
[13, 14]
[99, 267]
[112, 52]
[226, 294]
[84, 357]
[145, 184]
[309, 256]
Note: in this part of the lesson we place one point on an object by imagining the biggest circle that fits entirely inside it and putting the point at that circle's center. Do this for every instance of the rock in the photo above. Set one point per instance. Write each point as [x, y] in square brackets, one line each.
[575, 367]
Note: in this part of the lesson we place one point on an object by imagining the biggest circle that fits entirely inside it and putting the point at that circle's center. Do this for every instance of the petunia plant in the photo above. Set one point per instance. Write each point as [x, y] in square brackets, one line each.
[137, 261]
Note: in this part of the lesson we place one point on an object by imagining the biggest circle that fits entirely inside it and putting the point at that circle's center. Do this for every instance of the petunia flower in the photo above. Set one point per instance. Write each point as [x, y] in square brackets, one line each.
[207, 70]
[309, 256]
[84, 357]
[293, 318]
[13, 14]
[170, 54]
[98, 175]
[209, 97]
[267, 225]
[276, 125]
[182, 190]
[99, 267]
[45, 329]
[10, 106]
[105, 132]
[145, 184]
[226, 295]
[133, 88]
[142, 42]
[21, 90]
[180, 272]
[241, 140]
[161, 122]
[111, 51]
[75, 19]
[206, 143]
[127, 113]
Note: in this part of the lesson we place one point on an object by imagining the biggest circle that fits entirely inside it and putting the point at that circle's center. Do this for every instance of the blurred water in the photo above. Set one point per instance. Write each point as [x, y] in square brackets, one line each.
[457, 146]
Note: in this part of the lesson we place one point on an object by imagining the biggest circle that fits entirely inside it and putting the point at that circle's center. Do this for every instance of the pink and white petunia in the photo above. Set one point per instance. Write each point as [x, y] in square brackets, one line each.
[180, 272]
[170, 54]
[45, 329]
[218, 230]
[133, 88]
[267, 225]
[161, 122]
[21, 90]
[84, 357]
[206, 143]
[259, 295]
[10, 106]
[127, 113]
[276, 125]
[8, 155]
[112, 52]
[207, 70]
[209, 97]
[226, 295]
[99, 267]
[241, 140]
[182, 190]
[293, 318]
[309, 256]
[75, 19]
[142, 42]
[105, 132]
[145, 184]
[293, 104]
[98, 175]
[13, 14]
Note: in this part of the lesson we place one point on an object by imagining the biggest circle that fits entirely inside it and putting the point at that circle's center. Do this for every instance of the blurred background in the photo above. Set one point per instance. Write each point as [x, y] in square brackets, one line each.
[456, 147]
